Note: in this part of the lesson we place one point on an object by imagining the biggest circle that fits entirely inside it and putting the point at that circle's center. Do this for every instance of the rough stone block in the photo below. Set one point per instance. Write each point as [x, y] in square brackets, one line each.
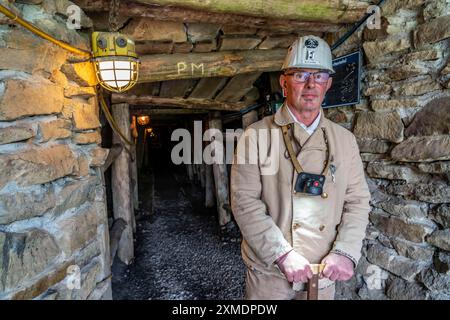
[87, 138]
[435, 192]
[393, 104]
[375, 50]
[392, 7]
[398, 265]
[432, 31]
[378, 90]
[98, 156]
[30, 97]
[433, 119]
[15, 134]
[441, 215]
[26, 52]
[439, 167]
[386, 126]
[442, 262]
[373, 145]
[404, 208]
[56, 129]
[31, 203]
[74, 194]
[434, 9]
[83, 167]
[61, 8]
[412, 250]
[84, 115]
[389, 170]
[45, 281]
[399, 289]
[440, 239]
[423, 55]
[73, 91]
[76, 231]
[37, 166]
[436, 281]
[396, 227]
[423, 149]
[402, 72]
[81, 73]
[25, 255]
[417, 87]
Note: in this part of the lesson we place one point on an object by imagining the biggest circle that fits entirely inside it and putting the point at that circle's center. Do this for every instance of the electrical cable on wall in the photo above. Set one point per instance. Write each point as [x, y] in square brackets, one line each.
[355, 27]
[88, 55]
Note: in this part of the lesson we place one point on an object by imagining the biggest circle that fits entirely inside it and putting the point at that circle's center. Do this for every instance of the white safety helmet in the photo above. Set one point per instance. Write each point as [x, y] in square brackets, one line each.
[309, 52]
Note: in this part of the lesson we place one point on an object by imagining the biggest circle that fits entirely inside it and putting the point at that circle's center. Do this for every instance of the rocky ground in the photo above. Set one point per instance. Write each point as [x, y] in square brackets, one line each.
[178, 250]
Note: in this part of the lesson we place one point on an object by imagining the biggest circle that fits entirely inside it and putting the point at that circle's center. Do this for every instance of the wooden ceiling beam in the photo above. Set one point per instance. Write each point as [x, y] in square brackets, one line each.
[210, 64]
[152, 111]
[190, 103]
[170, 13]
[335, 11]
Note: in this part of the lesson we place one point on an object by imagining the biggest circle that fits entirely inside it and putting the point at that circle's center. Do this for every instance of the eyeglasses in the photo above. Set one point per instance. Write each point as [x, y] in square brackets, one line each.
[303, 76]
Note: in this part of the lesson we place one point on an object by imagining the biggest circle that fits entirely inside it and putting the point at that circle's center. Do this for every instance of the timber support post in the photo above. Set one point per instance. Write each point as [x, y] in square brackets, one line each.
[121, 186]
[220, 176]
[249, 118]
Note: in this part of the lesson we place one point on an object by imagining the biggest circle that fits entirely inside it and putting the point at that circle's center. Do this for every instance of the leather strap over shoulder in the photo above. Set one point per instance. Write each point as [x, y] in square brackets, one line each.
[288, 144]
[290, 149]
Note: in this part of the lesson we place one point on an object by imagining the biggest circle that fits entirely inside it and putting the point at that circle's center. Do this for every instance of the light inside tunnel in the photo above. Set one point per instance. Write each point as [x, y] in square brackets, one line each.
[143, 120]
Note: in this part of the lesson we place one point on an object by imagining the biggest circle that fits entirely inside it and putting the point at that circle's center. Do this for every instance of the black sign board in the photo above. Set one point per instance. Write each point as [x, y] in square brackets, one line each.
[346, 81]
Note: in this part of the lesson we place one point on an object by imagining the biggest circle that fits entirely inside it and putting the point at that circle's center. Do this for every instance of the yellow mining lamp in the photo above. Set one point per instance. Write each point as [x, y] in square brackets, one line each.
[115, 61]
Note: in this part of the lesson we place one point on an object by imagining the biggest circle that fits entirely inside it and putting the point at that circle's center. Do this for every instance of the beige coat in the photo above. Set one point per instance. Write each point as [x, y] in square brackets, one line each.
[273, 219]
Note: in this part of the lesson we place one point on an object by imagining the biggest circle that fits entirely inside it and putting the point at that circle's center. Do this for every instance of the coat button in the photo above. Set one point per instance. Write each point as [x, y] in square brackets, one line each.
[296, 226]
[321, 227]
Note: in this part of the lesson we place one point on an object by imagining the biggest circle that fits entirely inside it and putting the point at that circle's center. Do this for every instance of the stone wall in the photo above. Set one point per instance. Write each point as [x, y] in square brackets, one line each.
[53, 220]
[403, 126]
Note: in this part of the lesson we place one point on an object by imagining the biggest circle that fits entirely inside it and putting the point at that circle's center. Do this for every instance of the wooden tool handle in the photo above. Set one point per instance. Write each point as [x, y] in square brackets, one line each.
[313, 283]
[313, 288]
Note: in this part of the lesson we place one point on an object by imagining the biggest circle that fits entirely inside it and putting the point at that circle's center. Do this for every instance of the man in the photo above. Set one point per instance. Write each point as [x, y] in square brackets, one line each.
[314, 208]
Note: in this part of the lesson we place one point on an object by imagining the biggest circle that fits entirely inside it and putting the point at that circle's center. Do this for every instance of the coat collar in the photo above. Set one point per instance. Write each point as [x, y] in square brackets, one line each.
[282, 117]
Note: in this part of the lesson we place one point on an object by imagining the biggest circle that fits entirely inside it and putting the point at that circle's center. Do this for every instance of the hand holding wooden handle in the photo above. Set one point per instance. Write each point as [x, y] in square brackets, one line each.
[313, 283]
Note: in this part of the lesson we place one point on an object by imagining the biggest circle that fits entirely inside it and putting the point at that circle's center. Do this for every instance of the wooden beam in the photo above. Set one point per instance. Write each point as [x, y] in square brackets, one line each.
[120, 181]
[220, 176]
[228, 43]
[157, 12]
[207, 88]
[134, 182]
[307, 10]
[114, 152]
[160, 67]
[249, 118]
[237, 87]
[210, 198]
[176, 88]
[117, 229]
[152, 111]
[189, 103]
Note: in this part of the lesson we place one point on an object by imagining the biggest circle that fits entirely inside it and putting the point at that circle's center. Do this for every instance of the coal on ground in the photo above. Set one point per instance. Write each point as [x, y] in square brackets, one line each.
[179, 253]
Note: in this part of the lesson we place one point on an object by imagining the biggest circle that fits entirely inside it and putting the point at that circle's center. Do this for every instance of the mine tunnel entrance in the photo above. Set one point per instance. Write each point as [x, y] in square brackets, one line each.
[180, 251]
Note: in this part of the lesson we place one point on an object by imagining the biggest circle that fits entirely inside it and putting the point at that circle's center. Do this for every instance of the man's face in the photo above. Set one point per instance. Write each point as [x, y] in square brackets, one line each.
[306, 96]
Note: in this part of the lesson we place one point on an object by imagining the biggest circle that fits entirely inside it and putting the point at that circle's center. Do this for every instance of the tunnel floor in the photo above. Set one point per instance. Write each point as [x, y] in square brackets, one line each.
[178, 251]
